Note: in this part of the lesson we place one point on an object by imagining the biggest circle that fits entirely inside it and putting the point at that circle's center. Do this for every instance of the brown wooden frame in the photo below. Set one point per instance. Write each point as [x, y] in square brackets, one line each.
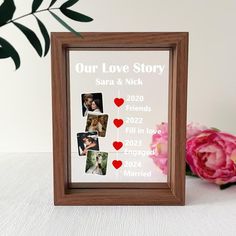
[170, 193]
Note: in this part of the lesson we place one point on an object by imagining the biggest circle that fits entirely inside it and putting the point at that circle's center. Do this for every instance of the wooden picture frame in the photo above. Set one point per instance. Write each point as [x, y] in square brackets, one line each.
[170, 193]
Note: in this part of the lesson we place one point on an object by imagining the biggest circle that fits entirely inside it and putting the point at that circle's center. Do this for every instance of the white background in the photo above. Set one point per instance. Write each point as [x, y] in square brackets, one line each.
[26, 199]
[25, 95]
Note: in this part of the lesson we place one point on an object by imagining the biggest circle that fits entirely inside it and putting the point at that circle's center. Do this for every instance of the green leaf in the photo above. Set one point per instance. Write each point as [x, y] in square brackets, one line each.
[3, 53]
[36, 4]
[7, 10]
[65, 24]
[215, 129]
[69, 3]
[189, 172]
[52, 3]
[31, 36]
[7, 50]
[45, 35]
[225, 186]
[75, 15]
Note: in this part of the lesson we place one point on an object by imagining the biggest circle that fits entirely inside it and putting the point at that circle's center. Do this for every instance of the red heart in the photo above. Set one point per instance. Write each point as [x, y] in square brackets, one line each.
[118, 122]
[118, 101]
[117, 164]
[117, 145]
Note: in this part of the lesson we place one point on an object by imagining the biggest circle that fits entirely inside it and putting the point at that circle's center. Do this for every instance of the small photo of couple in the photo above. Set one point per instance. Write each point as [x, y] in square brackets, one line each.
[97, 123]
[91, 102]
[87, 141]
[96, 163]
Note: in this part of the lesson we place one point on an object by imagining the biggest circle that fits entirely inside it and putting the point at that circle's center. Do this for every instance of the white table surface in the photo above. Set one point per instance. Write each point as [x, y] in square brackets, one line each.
[26, 207]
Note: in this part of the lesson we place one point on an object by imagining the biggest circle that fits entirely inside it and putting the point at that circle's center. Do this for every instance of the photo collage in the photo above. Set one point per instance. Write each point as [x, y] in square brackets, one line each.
[95, 127]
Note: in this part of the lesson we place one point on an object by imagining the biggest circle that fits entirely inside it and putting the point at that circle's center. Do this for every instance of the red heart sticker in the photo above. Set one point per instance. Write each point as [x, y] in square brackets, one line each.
[119, 101]
[118, 122]
[117, 145]
[117, 164]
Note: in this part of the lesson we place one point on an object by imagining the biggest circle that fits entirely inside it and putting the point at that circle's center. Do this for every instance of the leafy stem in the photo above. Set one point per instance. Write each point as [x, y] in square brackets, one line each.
[31, 13]
[7, 10]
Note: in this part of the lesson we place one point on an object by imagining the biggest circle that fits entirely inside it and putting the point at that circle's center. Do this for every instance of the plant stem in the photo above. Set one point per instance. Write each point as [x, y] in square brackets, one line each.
[47, 9]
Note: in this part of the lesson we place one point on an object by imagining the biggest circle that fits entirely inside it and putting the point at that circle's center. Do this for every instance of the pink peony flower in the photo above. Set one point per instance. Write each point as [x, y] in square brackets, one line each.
[159, 147]
[159, 144]
[211, 155]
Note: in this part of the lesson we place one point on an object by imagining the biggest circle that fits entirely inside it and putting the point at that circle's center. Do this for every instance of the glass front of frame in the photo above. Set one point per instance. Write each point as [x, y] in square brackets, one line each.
[116, 99]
